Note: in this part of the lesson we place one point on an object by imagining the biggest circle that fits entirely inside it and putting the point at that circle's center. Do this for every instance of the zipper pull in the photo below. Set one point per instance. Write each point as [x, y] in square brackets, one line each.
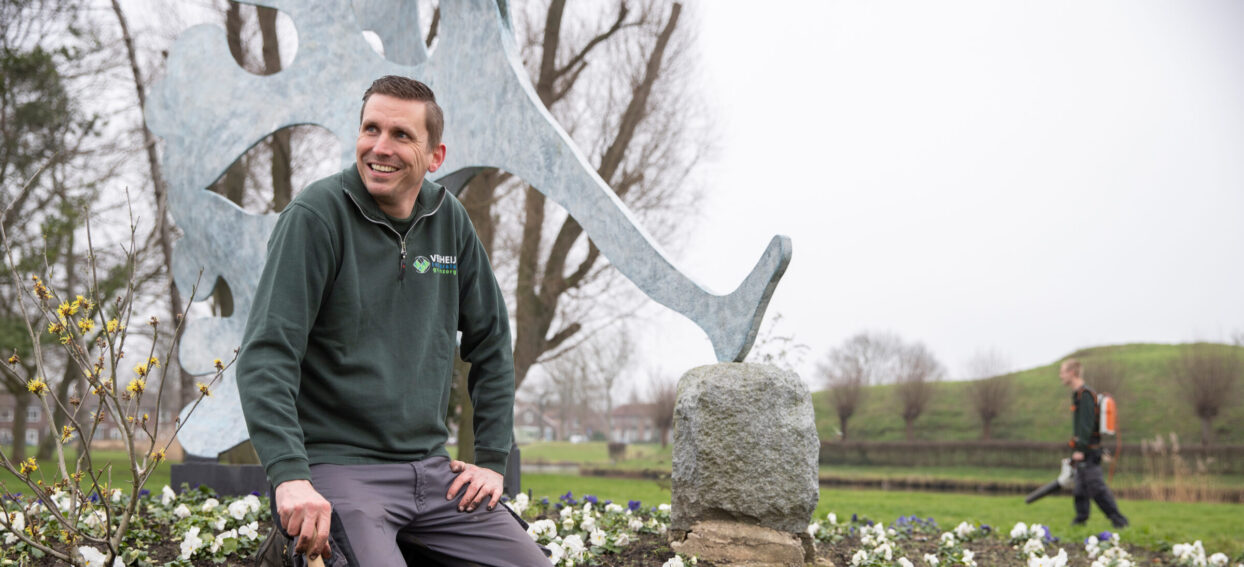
[401, 273]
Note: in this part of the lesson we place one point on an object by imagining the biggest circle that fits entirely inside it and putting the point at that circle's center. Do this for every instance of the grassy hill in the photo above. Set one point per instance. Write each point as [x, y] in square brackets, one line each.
[1150, 403]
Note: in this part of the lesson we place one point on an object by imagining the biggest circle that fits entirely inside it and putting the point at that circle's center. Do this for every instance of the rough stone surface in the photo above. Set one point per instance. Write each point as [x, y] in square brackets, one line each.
[741, 545]
[745, 449]
[208, 111]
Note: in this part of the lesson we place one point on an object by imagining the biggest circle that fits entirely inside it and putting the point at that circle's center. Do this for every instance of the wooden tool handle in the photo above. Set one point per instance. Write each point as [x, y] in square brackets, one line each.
[314, 559]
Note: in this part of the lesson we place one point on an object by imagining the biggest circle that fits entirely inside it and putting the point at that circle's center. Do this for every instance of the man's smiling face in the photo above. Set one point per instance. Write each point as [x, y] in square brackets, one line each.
[392, 152]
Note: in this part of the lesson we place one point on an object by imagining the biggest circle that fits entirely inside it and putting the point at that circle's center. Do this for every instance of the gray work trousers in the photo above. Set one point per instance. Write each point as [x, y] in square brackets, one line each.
[1091, 485]
[381, 504]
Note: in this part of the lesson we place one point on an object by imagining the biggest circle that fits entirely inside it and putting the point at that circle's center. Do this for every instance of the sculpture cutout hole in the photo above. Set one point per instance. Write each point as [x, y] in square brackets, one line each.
[387, 26]
[222, 299]
[274, 171]
[374, 41]
[262, 40]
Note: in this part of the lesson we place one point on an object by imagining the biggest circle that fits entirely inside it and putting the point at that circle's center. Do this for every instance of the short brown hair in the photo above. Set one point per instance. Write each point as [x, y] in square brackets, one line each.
[1072, 365]
[406, 88]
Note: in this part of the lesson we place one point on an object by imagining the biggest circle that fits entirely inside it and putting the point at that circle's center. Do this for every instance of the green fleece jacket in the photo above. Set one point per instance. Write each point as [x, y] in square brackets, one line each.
[348, 353]
[1084, 422]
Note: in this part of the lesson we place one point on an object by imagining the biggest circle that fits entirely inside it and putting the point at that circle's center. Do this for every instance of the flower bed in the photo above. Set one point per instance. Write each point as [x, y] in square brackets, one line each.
[199, 528]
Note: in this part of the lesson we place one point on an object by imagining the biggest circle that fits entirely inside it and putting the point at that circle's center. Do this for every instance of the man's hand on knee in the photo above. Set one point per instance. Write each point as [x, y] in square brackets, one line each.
[481, 484]
[305, 513]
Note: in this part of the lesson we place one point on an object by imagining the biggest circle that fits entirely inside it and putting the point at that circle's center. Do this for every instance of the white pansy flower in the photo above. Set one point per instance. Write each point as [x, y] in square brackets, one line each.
[964, 530]
[635, 524]
[210, 504]
[573, 544]
[181, 511]
[219, 524]
[587, 507]
[96, 518]
[167, 495]
[250, 531]
[588, 524]
[62, 500]
[598, 537]
[931, 559]
[832, 517]
[860, 557]
[675, 561]
[621, 540]
[663, 508]
[813, 529]
[190, 543]
[903, 562]
[567, 512]
[116, 495]
[556, 554]
[220, 539]
[948, 539]
[238, 509]
[1219, 560]
[1033, 547]
[612, 508]
[1019, 531]
[92, 556]
[568, 524]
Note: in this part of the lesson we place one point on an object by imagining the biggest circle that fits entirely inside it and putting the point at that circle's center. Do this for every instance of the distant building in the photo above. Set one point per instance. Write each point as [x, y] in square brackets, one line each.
[530, 425]
[633, 423]
[37, 421]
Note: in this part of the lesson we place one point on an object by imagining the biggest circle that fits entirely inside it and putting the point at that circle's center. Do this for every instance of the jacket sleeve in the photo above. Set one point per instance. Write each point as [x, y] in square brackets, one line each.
[485, 326]
[297, 274]
[1085, 421]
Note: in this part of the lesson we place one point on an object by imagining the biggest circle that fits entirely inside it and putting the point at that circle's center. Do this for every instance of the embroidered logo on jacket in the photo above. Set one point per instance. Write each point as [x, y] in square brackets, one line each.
[439, 264]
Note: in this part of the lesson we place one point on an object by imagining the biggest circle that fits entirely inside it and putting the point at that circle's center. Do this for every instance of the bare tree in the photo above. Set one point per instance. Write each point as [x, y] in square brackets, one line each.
[609, 358]
[662, 397]
[847, 370]
[51, 167]
[918, 370]
[1208, 376]
[990, 390]
[776, 347]
[616, 82]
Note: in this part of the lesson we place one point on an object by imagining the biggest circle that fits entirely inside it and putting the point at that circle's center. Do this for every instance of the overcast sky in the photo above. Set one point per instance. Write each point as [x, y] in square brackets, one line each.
[1032, 177]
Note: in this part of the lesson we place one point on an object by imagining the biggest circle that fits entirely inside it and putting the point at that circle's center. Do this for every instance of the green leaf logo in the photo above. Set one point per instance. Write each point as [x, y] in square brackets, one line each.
[422, 264]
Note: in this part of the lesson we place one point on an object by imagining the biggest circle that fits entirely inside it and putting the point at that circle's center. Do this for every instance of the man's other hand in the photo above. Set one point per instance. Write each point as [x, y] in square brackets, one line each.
[1077, 456]
[304, 512]
[480, 483]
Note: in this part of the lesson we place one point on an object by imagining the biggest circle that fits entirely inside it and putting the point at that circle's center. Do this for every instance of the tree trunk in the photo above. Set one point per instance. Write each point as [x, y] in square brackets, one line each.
[163, 227]
[987, 433]
[282, 182]
[842, 426]
[911, 430]
[21, 403]
[1207, 431]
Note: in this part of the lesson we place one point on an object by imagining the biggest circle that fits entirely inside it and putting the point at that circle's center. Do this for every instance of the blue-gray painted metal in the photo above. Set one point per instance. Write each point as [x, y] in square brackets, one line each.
[209, 111]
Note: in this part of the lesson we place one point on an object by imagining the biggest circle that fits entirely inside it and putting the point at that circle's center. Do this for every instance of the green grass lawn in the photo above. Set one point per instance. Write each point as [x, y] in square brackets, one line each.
[114, 461]
[1155, 525]
[596, 454]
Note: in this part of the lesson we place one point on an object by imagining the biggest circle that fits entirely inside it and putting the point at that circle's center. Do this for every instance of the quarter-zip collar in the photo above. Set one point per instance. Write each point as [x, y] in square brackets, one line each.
[431, 196]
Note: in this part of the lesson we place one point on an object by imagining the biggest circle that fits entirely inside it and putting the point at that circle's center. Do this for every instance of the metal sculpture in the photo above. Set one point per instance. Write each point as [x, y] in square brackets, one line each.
[208, 110]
